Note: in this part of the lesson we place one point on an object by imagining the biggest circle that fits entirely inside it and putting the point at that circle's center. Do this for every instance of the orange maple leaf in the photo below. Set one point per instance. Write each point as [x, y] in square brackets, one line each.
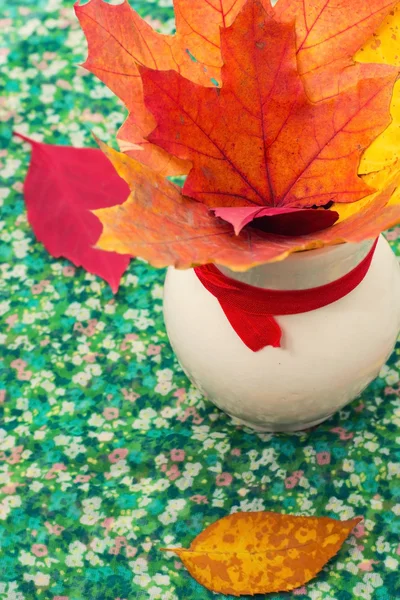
[259, 140]
[161, 225]
[119, 40]
[328, 34]
[259, 147]
[263, 552]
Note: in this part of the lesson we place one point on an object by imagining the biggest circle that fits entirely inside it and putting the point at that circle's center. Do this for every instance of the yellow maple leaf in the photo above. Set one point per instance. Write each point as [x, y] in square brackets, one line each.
[384, 48]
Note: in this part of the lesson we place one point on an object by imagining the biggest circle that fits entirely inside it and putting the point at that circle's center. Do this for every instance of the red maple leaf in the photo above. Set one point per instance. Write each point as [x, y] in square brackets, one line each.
[328, 33]
[259, 140]
[62, 187]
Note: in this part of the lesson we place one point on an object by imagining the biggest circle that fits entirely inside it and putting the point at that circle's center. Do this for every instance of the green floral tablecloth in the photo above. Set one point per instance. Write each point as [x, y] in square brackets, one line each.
[106, 451]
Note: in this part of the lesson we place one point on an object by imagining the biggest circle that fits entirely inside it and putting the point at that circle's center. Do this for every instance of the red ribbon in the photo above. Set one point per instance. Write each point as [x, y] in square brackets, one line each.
[250, 309]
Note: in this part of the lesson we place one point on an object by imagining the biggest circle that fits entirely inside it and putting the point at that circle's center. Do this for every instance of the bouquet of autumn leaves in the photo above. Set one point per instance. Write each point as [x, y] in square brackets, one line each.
[284, 120]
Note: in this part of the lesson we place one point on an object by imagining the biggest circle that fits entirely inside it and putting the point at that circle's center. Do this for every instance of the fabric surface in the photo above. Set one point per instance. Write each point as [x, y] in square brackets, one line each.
[106, 451]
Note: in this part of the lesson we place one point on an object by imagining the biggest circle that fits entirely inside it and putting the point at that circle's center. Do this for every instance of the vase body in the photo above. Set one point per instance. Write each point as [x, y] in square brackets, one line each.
[328, 356]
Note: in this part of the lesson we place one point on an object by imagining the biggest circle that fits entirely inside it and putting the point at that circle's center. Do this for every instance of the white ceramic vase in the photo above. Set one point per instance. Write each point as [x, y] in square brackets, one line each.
[328, 356]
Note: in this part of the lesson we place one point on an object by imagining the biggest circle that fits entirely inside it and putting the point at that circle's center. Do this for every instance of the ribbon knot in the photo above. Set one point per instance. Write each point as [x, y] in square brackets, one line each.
[251, 310]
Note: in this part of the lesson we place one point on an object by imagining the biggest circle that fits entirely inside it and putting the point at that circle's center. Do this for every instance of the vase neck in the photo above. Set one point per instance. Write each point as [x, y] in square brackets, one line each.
[304, 270]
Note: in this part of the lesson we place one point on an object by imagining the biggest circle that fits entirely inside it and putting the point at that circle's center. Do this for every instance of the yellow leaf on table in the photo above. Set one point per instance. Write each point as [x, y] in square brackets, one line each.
[263, 552]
